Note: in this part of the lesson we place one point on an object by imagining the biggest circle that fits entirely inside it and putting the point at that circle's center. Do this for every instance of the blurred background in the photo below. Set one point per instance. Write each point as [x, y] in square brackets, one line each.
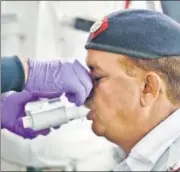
[58, 29]
[46, 30]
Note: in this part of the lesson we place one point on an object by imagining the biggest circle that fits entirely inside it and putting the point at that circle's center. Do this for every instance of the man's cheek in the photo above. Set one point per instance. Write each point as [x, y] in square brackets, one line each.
[101, 104]
[103, 90]
[99, 98]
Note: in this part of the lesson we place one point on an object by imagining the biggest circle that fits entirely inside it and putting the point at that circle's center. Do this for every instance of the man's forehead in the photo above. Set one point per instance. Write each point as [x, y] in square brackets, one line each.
[93, 57]
[93, 63]
[99, 57]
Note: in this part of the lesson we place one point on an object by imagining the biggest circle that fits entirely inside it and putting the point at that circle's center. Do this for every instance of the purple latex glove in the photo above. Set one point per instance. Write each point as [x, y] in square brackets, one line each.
[69, 78]
[12, 110]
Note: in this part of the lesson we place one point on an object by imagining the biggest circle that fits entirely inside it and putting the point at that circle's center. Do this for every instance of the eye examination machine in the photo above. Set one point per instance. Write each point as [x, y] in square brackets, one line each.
[47, 113]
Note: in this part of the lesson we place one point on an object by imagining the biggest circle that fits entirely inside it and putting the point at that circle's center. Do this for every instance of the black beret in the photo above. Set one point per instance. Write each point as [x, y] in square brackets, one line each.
[136, 33]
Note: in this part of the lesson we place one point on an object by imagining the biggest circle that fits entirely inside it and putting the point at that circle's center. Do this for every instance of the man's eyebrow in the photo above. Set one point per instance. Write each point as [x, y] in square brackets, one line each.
[93, 67]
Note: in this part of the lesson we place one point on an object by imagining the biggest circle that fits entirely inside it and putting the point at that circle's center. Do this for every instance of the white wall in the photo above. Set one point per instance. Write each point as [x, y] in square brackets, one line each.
[38, 32]
[18, 37]
[64, 41]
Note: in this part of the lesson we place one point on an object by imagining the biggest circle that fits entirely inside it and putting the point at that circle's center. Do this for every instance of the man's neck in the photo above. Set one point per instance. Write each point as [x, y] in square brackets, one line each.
[135, 133]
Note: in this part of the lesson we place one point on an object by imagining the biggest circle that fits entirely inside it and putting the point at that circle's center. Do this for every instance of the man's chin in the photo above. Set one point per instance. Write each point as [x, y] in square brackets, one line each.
[98, 130]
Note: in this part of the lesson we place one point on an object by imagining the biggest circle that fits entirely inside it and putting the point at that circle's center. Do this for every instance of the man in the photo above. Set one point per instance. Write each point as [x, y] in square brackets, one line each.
[134, 57]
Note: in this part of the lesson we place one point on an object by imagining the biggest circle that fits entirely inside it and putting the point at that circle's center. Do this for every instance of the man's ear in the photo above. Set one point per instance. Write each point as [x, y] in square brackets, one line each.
[151, 86]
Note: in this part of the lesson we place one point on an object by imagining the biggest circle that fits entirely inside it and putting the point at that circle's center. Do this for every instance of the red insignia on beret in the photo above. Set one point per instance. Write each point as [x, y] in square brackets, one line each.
[98, 27]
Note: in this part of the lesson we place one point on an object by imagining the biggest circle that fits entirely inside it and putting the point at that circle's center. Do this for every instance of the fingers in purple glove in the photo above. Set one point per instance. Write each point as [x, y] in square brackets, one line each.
[27, 132]
[71, 97]
[76, 93]
[13, 109]
[85, 80]
[47, 94]
[24, 97]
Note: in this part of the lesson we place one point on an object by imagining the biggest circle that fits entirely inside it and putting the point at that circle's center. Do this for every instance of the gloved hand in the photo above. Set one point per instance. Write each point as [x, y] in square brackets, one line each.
[13, 109]
[69, 78]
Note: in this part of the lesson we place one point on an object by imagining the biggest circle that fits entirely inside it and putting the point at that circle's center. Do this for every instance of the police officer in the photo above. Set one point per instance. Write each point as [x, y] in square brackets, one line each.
[134, 57]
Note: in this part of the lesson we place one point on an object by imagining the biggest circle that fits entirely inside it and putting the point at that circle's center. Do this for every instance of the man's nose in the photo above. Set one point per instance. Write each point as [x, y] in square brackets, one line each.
[88, 102]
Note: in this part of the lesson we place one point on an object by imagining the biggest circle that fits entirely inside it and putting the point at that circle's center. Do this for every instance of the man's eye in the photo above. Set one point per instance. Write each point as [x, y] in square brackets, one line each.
[97, 79]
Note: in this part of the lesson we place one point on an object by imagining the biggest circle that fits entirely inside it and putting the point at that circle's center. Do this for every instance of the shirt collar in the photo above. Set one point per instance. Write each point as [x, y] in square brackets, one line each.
[148, 150]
